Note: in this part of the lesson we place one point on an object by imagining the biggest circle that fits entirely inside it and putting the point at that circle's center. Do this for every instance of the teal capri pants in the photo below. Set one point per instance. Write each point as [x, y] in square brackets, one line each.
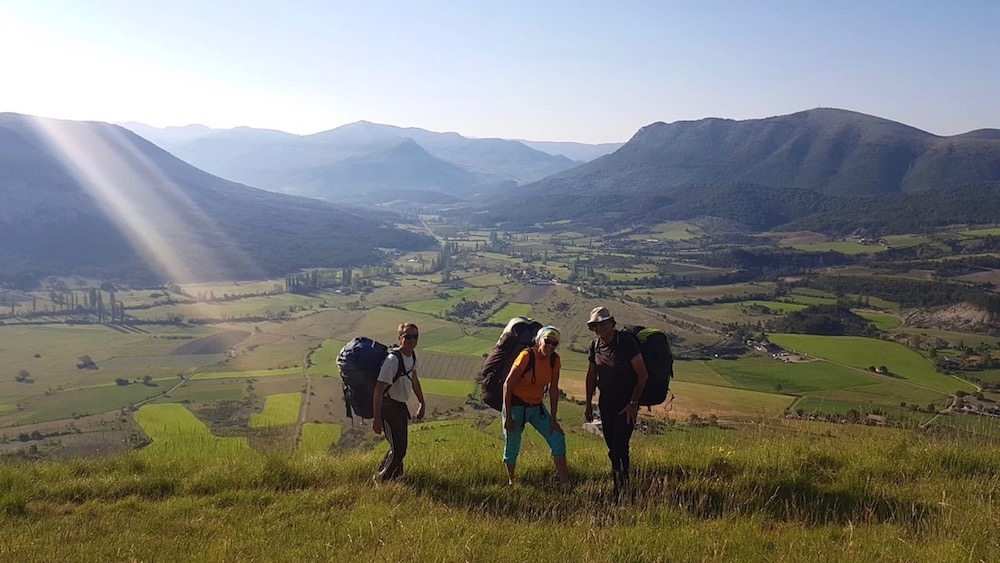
[538, 417]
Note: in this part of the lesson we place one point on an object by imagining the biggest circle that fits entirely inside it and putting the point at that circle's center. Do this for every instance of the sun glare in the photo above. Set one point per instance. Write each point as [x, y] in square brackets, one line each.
[169, 230]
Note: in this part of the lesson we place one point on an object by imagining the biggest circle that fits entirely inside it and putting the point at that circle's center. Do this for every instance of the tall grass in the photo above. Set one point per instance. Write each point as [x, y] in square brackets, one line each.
[791, 491]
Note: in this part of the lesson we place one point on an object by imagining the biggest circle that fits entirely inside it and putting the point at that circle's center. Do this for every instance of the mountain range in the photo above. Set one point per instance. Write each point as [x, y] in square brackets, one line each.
[769, 172]
[98, 200]
[369, 163]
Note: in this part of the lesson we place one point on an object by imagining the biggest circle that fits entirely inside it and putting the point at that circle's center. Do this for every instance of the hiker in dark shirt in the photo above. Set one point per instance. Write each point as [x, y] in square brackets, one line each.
[617, 369]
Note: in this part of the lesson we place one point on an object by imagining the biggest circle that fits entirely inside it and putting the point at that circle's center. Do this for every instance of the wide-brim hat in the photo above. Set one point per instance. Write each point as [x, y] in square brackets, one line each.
[599, 315]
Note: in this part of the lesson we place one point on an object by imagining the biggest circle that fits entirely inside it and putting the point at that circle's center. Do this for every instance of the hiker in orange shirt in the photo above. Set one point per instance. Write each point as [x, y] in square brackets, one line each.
[534, 369]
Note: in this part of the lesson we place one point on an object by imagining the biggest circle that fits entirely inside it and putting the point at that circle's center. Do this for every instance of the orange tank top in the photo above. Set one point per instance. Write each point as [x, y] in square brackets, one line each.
[531, 389]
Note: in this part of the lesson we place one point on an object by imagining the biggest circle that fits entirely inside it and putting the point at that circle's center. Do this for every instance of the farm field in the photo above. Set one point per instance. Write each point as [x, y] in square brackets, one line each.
[881, 321]
[318, 438]
[279, 410]
[769, 375]
[438, 307]
[510, 311]
[206, 392]
[670, 295]
[843, 246]
[271, 305]
[447, 387]
[989, 232]
[246, 361]
[324, 358]
[246, 374]
[723, 402]
[77, 403]
[864, 352]
[176, 433]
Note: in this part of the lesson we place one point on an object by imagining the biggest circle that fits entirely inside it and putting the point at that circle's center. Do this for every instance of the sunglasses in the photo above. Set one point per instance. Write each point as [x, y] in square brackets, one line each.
[553, 343]
[411, 336]
[593, 326]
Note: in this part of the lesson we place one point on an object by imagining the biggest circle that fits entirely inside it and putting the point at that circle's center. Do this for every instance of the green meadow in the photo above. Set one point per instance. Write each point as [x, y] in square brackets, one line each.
[247, 374]
[75, 403]
[881, 321]
[317, 438]
[440, 306]
[728, 402]
[178, 434]
[279, 410]
[509, 311]
[861, 353]
[447, 387]
[775, 491]
[905, 241]
[324, 359]
[769, 375]
[843, 246]
[990, 232]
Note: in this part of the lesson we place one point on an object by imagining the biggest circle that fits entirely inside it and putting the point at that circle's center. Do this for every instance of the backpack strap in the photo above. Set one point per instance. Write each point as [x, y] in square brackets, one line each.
[530, 366]
[401, 370]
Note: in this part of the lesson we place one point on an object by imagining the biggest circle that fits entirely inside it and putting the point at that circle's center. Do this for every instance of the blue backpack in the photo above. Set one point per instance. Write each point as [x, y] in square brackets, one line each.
[360, 361]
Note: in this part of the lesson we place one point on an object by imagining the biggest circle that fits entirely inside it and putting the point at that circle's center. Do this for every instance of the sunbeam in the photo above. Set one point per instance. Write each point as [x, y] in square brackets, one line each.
[162, 222]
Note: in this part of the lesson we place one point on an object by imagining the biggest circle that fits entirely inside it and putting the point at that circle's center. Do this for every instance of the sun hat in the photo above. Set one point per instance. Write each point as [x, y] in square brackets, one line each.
[599, 315]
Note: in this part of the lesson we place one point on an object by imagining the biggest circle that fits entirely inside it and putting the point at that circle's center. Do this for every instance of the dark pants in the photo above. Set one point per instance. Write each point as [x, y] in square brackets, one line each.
[617, 434]
[395, 419]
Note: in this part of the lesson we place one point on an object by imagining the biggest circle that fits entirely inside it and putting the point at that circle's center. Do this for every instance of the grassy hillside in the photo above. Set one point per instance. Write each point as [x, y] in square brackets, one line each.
[786, 491]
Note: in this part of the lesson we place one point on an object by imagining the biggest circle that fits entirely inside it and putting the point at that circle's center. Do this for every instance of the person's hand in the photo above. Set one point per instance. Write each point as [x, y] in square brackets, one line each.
[420, 412]
[588, 413]
[508, 423]
[377, 426]
[631, 413]
[554, 426]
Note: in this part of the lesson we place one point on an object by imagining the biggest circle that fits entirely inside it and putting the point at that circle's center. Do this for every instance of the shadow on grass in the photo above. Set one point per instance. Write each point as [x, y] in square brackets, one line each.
[718, 491]
[725, 490]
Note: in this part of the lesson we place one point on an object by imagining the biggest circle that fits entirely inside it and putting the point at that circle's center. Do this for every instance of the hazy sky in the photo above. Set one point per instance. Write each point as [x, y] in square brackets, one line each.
[542, 69]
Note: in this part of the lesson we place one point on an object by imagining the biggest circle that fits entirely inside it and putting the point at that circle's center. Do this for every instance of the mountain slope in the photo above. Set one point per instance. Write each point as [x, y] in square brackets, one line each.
[382, 174]
[580, 152]
[767, 172]
[326, 164]
[95, 199]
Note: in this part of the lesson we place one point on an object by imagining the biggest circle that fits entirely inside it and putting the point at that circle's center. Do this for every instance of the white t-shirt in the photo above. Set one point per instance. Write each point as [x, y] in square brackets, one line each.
[403, 388]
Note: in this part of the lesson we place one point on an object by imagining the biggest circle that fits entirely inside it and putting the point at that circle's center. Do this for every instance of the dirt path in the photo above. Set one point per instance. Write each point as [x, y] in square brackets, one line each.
[306, 395]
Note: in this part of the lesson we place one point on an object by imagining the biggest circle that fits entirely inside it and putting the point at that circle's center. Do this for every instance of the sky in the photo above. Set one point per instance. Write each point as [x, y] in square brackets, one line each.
[552, 70]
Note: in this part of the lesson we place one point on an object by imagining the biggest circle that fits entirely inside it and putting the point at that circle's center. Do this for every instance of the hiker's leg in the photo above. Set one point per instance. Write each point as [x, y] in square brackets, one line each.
[619, 453]
[380, 475]
[618, 436]
[403, 442]
[561, 470]
[540, 419]
[394, 424]
[609, 428]
[512, 441]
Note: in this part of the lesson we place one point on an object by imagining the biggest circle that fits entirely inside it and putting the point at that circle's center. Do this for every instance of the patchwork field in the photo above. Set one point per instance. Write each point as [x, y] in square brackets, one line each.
[279, 410]
[862, 353]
